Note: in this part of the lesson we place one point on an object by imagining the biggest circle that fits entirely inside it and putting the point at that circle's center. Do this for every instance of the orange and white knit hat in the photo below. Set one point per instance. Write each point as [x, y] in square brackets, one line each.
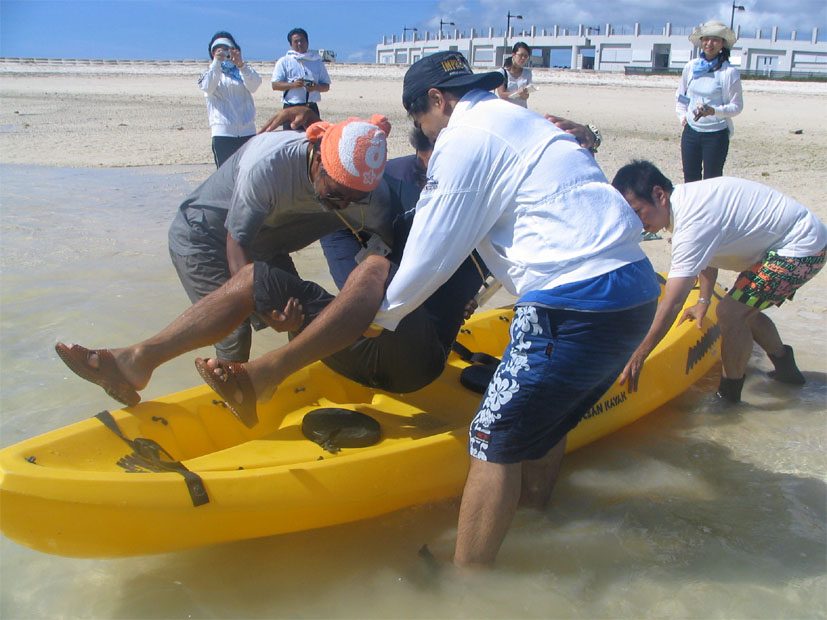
[353, 151]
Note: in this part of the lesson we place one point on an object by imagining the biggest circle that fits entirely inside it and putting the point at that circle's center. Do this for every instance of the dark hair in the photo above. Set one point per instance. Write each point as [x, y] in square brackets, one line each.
[419, 141]
[640, 178]
[420, 104]
[508, 62]
[518, 45]
[221, 34]
[299, 31]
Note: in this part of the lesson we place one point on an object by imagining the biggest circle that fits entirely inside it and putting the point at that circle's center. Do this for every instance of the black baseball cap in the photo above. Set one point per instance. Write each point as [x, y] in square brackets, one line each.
[444, 70]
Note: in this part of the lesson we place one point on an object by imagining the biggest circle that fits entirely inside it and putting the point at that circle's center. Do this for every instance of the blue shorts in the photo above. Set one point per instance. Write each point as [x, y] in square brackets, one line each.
[558, 364]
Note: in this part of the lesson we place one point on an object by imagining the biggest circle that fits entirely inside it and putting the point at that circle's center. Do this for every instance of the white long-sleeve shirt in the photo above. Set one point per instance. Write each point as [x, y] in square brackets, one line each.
[535, 205]
[721, 90]
[230, 107]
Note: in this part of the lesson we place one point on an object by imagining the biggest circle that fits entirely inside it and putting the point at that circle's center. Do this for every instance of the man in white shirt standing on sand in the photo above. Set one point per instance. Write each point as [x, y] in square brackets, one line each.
[300, 74]
[727, 223]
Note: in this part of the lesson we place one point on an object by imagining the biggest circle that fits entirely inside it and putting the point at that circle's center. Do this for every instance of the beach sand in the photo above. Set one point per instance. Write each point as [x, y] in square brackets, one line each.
[125, 115]
[688, 513]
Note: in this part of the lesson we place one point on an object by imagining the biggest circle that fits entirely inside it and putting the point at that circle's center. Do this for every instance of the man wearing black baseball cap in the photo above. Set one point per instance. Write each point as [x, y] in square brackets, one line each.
[444, 70]
[551, 228]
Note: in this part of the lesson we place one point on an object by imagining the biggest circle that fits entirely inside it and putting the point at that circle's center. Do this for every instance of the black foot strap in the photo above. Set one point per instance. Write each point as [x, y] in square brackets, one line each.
[478, 375]
[147, 452]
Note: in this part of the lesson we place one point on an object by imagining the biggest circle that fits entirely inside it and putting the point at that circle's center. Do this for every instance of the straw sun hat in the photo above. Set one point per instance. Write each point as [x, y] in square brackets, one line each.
[713, 29]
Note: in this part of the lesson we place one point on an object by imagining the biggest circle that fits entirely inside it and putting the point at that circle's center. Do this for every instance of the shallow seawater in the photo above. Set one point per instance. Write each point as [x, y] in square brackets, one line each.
[693, 512]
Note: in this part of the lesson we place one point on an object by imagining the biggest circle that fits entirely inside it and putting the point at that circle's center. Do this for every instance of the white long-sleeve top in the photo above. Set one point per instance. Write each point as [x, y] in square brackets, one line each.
[537, 207]
[230, 107]
[721, 90]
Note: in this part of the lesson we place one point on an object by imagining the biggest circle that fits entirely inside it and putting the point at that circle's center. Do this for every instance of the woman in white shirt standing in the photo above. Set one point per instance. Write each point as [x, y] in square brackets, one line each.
[708, 96]
[228, 85]
[517, 77]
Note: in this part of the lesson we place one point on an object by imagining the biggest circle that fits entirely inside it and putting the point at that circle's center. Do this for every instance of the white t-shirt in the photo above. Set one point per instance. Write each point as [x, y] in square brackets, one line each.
[294, 66]
[537, 207]
[731, 223]
[511, 84]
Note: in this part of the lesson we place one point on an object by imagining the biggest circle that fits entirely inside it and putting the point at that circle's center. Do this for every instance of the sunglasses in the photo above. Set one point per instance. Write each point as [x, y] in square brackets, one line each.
[339, 199]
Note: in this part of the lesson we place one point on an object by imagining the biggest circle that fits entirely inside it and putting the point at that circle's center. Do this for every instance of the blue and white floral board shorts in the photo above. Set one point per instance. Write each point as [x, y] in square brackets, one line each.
[558, 364]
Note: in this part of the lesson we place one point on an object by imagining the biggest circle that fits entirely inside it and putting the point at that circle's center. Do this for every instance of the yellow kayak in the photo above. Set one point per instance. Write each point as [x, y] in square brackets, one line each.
[182, 471]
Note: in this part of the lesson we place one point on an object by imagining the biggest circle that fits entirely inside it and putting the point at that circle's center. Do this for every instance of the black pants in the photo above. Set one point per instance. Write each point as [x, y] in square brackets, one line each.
[224, 146]
[398, 361]
[201, 274]
[310, 104]
[707, 148]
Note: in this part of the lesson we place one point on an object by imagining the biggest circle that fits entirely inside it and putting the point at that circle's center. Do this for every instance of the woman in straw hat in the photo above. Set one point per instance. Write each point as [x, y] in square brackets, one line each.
[708, 96]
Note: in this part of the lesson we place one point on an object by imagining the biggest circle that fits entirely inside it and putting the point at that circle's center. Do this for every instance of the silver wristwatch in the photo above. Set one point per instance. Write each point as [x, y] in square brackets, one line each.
[598, 138]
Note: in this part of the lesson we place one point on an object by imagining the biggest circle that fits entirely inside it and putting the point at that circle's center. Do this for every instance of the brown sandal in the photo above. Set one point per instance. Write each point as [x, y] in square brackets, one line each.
[235, 378]
[105, 375]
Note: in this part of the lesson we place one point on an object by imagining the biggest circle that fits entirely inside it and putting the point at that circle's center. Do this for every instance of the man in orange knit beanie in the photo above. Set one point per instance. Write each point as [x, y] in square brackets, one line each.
[343, 165]
[354, 151]
[279, 193]
[266, 202]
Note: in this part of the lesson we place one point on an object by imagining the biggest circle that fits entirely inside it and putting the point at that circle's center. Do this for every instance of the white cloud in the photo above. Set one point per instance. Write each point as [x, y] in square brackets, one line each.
[362, 55]
[456, 11]
[801, 15]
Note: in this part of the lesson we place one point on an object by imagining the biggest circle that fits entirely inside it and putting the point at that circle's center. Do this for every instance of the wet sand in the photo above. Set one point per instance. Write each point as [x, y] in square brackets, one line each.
[690, 513]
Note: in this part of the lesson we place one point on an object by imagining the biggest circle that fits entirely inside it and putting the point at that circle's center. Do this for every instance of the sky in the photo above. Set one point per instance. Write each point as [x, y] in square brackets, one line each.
[181, 29]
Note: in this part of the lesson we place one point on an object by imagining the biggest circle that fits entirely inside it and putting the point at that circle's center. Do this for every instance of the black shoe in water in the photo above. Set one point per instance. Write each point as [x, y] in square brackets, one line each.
[729, 390]
[785, 369]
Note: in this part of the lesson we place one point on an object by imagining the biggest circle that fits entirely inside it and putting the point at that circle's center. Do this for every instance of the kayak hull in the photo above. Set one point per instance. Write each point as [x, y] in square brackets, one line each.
[84, 491]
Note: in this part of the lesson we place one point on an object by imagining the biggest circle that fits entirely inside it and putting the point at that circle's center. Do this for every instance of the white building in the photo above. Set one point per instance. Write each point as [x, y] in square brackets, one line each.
[606, 49]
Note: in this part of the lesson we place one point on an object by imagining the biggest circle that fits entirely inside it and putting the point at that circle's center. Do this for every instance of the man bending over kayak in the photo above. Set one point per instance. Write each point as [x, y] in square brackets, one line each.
[775, 243]
[400, 361]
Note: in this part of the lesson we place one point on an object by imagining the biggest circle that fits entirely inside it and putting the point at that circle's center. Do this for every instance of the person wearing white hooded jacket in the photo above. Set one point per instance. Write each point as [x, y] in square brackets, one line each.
[228, 85]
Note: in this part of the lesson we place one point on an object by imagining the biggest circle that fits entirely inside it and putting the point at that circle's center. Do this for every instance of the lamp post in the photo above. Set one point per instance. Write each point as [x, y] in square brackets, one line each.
[405, 32]
[732, 16]
[441, 24]
[508, 24]
[508, 31]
